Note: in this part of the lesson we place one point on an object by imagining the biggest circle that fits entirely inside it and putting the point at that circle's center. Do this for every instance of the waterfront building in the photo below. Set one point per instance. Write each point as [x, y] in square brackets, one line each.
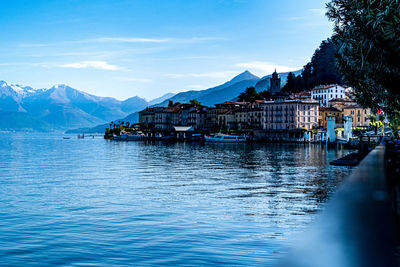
[301, 95]
[242, 119]
[147, 116]
[211, 122]
[166, 118]
[361, 116]
[226, 120]
[323, 114]
[197, 117]
[226, 113]
[184, 110]
[290, 114]
[326, 93]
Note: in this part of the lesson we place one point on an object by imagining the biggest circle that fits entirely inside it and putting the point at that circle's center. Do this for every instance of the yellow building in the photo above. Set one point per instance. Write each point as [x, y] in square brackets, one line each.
[360, 115]
[323, 112]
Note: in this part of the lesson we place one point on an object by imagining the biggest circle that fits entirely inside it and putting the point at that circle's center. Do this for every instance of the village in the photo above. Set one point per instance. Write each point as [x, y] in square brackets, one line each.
[294, 117]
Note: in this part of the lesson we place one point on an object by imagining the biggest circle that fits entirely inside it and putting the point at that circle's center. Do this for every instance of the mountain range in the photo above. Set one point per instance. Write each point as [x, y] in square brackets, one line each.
[59, 108]
[62, 107]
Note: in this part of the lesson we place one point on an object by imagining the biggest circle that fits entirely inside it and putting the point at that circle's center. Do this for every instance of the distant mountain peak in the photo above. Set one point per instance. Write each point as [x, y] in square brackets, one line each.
[3, 83]
[246, 75]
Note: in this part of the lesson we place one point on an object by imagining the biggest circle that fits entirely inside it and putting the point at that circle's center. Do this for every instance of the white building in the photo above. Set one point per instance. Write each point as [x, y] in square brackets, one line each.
[326, 93]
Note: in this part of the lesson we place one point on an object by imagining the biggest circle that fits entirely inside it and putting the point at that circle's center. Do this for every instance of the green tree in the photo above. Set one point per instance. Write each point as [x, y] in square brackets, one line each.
[264, 95]
[195, 102]
[290, 83]
[249, 95]
[170, 103]
[368, 35]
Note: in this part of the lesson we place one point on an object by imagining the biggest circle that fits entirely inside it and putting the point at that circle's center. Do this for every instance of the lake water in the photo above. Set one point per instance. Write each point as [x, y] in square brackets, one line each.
[100, 202]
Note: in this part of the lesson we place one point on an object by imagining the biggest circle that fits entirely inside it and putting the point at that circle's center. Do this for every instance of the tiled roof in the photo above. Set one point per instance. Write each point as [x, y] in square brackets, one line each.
[325, 87]
[329, 109]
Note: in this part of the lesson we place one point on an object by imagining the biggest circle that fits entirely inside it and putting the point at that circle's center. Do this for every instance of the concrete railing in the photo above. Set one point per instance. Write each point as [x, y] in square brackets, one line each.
[357, 227]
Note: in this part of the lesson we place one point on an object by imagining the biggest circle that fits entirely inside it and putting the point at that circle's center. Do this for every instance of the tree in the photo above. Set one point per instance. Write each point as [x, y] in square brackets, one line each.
[320, 70]
[265, 95]
[290, 83]
[367, 33]
[249, 95]
[195, 102]
[170, 103]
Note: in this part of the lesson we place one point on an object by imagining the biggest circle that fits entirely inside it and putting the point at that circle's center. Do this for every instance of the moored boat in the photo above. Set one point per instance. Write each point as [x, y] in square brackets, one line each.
[129, 137]
[225, 138]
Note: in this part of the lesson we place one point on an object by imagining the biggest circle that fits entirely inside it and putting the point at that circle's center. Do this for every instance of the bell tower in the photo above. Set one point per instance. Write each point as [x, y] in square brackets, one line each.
[275, 83]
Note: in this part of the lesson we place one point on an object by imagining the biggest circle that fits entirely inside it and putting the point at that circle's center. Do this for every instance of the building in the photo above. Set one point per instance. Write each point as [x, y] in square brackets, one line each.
[326, 93]
[242, 119]
[301, 95]
[275, 83]
[166, 118]
[161, 118]
[361, 116]
[226, 120]
[341, 103]
[147, 116]
[290, 114]
[197, 117]
[325, 111]
[211, 119]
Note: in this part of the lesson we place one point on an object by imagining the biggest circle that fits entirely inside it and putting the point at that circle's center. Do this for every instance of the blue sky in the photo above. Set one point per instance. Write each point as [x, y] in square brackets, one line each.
[124, 48]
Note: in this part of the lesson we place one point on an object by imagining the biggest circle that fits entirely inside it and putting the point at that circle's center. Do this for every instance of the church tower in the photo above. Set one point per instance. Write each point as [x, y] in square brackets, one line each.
[275, 83]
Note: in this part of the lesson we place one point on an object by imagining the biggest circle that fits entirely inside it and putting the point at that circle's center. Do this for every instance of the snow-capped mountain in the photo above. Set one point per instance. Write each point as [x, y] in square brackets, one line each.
[60, 107]
[17, 90]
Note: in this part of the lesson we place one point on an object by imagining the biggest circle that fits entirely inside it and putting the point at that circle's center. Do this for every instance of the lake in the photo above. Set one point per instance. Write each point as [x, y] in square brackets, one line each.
[101, 202]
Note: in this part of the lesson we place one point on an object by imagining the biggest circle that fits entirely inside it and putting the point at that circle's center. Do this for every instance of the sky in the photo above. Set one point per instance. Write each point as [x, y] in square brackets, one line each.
[146, 48]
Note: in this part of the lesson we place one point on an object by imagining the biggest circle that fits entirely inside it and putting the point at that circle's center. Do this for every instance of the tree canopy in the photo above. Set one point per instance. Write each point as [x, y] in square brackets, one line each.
[368, 36]
[251, 95]
[194, 102]
[320, 70]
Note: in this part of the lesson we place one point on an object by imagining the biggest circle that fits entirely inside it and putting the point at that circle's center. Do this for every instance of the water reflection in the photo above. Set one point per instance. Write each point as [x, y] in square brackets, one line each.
[93, 201]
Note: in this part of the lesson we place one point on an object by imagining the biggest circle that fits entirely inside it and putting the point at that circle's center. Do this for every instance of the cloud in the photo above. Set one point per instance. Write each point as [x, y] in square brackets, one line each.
[126, 40]
[217, 74]
[101, 65]
[264, 67]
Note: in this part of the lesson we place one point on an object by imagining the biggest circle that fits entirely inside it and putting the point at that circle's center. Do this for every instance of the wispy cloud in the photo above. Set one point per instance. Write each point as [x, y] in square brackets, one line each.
[264, 67]
[216, 74]
[101, 65]
[126, 40]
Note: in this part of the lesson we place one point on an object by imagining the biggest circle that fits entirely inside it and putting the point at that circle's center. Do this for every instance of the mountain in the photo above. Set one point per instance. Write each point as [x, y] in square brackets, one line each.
[60, 107]
[214, 95]
[160, 99]
[133, 104]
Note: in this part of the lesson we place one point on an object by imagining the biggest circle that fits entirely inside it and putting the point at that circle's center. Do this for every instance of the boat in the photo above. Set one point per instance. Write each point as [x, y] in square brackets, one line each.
[225, 138]
[129, 137]
[65, 137]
